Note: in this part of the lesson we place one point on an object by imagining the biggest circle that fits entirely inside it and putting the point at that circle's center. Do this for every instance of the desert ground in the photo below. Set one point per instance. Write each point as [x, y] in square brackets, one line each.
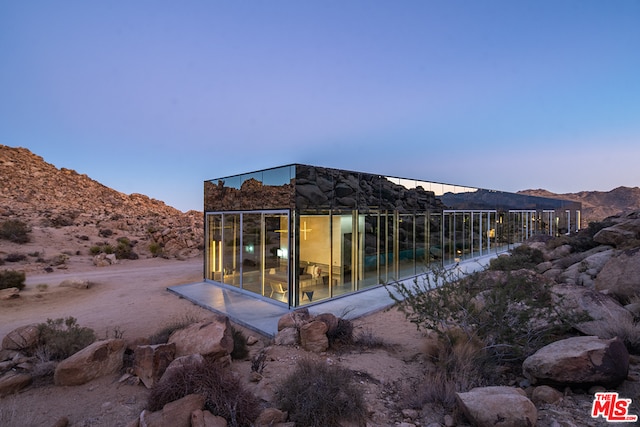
[131, 298]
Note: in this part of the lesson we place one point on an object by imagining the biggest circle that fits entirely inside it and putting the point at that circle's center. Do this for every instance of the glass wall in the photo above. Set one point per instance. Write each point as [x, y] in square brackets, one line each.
[250, 251]
[300, 234]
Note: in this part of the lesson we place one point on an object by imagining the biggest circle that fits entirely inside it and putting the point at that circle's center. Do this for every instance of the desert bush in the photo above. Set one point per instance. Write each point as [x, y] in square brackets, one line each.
[12, 279]
[511, 312]
[523, 256]
[61, 338]
[320, 395]
[258, 362]
[15, 257]
[240, 349]
[101, 248]
[224, 394]
[59, 259]
[459, 364]
[342, 333]
[156, 249]
[15, 231]
[124, 250]
[367, 338]
[105, 232]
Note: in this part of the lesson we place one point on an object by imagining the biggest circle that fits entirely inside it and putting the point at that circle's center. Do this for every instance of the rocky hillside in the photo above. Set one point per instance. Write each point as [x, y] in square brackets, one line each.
[47, 198]
[598, 205]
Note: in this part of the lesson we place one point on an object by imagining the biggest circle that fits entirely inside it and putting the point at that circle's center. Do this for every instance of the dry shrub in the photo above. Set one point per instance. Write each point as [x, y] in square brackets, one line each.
[240, 349]
[224, 394]
[320, 395]
[459, 364]
[368, 339]
[342, 333]
[60, 338]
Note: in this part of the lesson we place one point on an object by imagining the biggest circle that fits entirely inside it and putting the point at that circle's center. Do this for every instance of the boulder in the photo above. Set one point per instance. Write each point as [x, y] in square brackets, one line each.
[76, 283]
[313, 336]
[12, 382]
[579, 361]
[180, 363]
[200, 418]
[330, 320]
[545, 394]
[211, 338]
[294, 319]
[173, 414]
[604, 311]
[9, 293]
[584, 271]
[497, 406]
[620, 276]
[626, 230]
[560, 252]
[21, 338]
[150, 362]
[98, 359]
[287, 336]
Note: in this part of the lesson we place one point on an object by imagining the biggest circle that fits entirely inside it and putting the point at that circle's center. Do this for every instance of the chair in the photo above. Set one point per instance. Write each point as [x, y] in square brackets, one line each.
[276, 288]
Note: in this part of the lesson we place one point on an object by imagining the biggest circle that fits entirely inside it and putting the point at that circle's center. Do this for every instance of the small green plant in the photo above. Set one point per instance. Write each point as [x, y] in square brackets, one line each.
[156, 249]
[240, 349]
[224, 394]
[124, 250]
[320, 395]
[512, 312]
[64, 337]
[523, 256]
[15, 231]
[12, 279]
[42, 287]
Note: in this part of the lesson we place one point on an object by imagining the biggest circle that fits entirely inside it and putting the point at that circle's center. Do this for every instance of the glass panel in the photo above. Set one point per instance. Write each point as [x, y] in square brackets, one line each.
[421, 242]
[276, 264]
[252, 253]
[315, 258]
[231, 249]
[406, 252]
[436, 250]
[344, 246]
[214, 247]
[371, 235]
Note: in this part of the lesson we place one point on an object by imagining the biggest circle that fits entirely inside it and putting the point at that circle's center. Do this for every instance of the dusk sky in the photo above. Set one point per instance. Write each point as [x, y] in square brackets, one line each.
[155, 97]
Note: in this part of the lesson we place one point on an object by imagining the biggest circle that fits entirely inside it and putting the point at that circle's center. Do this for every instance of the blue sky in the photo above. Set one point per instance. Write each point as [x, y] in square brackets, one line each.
[154, 97]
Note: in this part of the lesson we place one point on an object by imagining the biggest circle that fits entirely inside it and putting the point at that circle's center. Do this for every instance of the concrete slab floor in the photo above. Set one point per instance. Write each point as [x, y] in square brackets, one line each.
[262, 316]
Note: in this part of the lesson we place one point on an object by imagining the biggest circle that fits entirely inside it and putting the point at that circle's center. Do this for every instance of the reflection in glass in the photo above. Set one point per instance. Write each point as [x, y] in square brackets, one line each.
[231, 249]
[252, 252]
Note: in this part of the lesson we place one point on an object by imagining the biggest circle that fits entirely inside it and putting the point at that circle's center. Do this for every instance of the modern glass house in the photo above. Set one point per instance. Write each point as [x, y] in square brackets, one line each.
[300, 234]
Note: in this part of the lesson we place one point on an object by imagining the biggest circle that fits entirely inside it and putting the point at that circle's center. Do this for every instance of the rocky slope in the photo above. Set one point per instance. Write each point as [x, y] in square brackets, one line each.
[49, 199]
[597, 205]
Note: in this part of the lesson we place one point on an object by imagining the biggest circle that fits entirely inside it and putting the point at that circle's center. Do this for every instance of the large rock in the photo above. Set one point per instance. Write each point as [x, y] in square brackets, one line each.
[98, 359]
[180, 363]
[150, 362]
[211, 338]
[21, 338]
[12, 382]
[625, 231]
[584, 272]
[288, 336]
[497, 406]
[579, 361]
[313, 336]
[604, 311]
[173, 414]
[620, 276]
[294, 319]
